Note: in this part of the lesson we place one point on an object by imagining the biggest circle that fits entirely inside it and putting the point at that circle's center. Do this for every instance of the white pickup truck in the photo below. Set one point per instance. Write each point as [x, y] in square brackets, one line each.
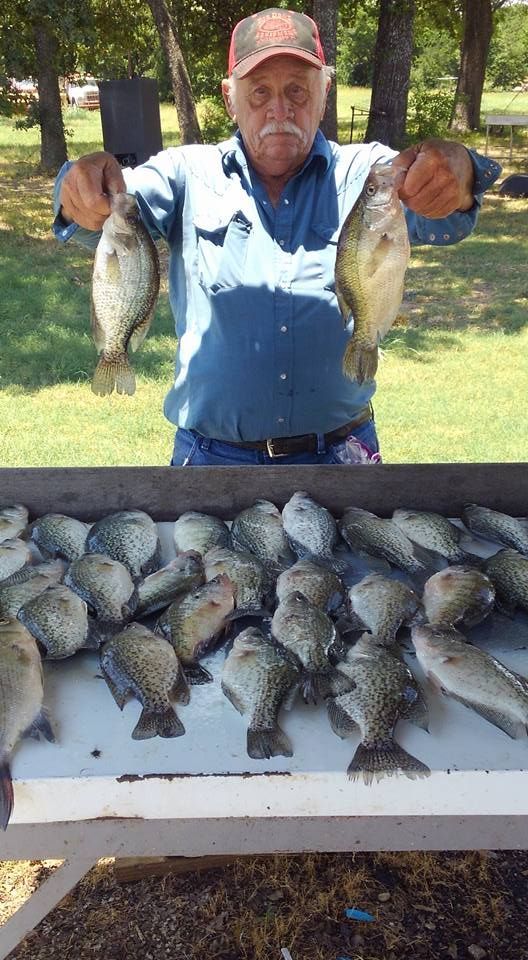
[85, 95]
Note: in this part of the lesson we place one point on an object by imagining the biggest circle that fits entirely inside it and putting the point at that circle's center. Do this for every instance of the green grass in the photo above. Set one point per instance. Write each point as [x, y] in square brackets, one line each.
[452, 382]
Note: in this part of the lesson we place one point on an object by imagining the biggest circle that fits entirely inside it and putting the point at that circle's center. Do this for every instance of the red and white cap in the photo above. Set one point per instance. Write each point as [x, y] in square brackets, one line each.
[269, 33]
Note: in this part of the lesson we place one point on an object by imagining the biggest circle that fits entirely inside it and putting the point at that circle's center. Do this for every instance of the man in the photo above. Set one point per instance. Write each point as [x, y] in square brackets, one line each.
[252, 226]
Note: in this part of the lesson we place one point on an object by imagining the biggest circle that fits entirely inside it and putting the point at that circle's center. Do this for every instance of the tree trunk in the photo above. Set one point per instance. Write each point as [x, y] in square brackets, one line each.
[53, 152]
[324, 12]
[476, 37]
[392, 69]
[181, 84]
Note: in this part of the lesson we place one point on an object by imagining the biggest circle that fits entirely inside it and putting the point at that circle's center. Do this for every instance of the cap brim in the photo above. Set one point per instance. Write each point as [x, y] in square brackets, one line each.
[254, 60]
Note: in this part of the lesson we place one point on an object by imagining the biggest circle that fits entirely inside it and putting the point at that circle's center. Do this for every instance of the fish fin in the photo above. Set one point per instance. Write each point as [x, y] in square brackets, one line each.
[232, 697]
[495, 716]
[291, 696]
[120, 696]
[415, 710]
[98, 334]
[195, 674]
[327, 683]
[153, 723]
[6, 794]
[114, 374]
[273, 742]
[140, 332]
[350, 623]
[342, 724]
[507, 607]
[343, 307]
[382, 759]
[93, 639]
[180, 688]
[248, 611]
[360, 363]
[42, 727]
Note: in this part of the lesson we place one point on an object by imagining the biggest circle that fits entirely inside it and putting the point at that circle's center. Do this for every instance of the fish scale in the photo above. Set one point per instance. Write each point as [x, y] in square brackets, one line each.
[129, 536]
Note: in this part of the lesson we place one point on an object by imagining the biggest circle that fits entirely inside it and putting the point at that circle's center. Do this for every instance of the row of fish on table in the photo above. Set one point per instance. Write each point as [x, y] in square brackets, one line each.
[312, 606]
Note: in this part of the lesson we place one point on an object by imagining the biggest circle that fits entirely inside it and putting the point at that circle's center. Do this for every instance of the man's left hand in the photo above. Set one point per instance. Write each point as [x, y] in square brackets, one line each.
[439, 178]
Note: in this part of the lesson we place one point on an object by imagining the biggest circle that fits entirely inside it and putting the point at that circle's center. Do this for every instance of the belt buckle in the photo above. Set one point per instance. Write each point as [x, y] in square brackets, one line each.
[271, 451]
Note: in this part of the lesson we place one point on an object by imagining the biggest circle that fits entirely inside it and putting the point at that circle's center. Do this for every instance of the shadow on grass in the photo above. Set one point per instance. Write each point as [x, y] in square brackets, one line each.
[45, 318]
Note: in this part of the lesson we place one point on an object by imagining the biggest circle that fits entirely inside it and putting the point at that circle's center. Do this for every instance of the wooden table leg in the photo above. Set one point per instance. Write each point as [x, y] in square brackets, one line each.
[47, 896]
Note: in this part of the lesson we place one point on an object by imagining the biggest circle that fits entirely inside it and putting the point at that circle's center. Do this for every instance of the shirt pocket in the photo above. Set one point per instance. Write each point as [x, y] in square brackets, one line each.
[325, 239]
[221, 251]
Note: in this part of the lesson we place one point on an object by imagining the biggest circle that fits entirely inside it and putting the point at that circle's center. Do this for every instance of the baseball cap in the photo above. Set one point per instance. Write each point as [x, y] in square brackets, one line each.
[270, 32]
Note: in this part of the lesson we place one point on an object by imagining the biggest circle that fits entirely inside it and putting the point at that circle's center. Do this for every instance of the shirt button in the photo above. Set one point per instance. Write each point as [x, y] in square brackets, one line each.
[280, 419]
[281, 242]
[284, 376]
[286, 202]
[284, 328]
[446, 236]
[432, 236]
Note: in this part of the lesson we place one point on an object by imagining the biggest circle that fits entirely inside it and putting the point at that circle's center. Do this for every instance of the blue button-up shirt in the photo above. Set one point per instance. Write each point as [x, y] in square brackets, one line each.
[260, 335]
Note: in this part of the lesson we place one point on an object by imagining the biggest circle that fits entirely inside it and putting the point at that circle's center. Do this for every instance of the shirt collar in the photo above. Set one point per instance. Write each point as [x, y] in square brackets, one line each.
[234, 156]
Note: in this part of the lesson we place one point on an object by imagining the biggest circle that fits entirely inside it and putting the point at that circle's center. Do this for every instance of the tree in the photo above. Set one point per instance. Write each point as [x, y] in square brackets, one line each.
[181, 85]
[392, 69]
[476, 39]
[325, 16]
[53, 152]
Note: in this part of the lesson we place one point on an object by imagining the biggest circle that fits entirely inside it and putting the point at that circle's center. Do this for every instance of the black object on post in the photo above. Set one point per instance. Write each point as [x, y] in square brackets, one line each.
[516, 185]
[130, 118]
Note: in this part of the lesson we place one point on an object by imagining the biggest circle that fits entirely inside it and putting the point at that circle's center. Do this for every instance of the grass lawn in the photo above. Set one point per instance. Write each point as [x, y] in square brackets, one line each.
[451, 385]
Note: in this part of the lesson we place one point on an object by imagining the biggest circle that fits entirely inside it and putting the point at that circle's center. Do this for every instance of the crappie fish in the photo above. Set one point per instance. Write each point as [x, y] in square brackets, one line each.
[496, 526]
[364, 531]
[125, 286]
[131, 537]
[320, 585]
[372, 256]
[458, 595]
[433, 532]
[138, 662]
[106, 586]
[508, 571]
[383, 605]
[14, 595]
[59, 620]
[21, 689]
[246, 573]
[160, 589]
[193, 622]
[311, 529]
[13, 521]
[385, 691]
[14, 555]
[260, 530]
[200, 531]
[308, 635]
[472, 676]
[57, 535]
[257, 679]
[54, 570]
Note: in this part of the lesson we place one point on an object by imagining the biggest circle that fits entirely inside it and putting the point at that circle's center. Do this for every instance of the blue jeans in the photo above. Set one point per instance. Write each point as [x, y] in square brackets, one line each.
[191, 449]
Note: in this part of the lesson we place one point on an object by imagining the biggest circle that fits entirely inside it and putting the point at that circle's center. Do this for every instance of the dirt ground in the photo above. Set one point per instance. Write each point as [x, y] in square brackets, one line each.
[426, 906]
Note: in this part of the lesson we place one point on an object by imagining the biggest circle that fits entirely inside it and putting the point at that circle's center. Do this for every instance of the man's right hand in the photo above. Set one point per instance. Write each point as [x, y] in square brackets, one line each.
[87, 187]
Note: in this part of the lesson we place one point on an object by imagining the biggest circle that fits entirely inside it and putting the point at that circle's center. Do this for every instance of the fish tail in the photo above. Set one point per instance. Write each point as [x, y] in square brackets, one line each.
[152, 723]
[273, 742]
[6, 794]
[115, 374]
[360, 363]
[383, 758]
[195, 674]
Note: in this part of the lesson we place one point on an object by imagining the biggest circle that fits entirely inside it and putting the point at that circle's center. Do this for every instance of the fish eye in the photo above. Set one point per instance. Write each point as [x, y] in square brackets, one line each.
[132, 218]
[370, 189]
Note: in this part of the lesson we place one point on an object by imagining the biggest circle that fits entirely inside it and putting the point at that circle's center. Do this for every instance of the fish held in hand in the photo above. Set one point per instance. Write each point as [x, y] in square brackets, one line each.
[258, 679]
[385, 691]
[473, 677]
[138, 662]
[125, 286]
[21, 712]
[372, 256]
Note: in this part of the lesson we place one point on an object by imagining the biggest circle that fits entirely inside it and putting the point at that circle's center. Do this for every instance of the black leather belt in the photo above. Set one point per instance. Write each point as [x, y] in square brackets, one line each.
[304, 443]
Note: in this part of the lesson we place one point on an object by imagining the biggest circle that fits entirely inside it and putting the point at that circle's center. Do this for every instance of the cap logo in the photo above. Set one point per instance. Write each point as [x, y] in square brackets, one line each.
[276, 28]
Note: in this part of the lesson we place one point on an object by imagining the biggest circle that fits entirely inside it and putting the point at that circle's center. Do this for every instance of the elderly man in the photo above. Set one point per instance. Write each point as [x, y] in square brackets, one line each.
[252, 226]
